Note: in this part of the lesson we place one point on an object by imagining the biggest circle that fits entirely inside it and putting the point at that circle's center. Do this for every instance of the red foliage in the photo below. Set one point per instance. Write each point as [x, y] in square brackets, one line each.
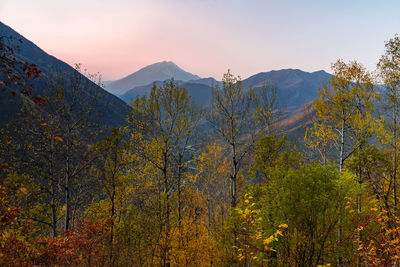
[38, 100]
[83, 247]
[380, 245]
[31, 70]
[17, 73]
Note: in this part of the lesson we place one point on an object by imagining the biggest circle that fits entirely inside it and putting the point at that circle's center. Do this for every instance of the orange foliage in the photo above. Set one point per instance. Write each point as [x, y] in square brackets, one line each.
[380, 245]
[83, 247]
[15, 248]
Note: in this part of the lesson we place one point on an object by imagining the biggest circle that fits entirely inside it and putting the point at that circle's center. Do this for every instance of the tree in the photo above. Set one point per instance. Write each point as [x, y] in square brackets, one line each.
[273, 156]
[381, 245]
[291, 219]
[18, 247]
[237, 115]
[71, 103]
[114, 163]
[163, 126]
[14, 72]
[211, 179]
[389, 71]
[31, 144]
[344, 108]
[53, 145]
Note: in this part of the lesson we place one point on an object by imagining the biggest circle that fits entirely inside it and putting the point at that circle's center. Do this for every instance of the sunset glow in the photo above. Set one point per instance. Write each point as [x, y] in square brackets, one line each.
[205, 37]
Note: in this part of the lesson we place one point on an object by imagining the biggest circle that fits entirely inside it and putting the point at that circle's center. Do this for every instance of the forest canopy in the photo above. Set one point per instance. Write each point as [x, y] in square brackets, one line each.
[187, 185]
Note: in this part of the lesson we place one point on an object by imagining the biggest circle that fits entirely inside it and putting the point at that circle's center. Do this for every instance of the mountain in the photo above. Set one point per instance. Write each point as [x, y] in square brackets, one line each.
[294, 87]
[160, 71]
[199, 90]
[112, 111]
[207, 81]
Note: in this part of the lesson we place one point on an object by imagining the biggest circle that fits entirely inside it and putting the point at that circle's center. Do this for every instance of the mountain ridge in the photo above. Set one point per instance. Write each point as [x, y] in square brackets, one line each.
[159, 71]
[294, 87]
[113, 109]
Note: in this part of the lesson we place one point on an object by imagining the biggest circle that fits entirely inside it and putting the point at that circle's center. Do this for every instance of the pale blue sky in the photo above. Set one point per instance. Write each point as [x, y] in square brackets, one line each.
[206, 37]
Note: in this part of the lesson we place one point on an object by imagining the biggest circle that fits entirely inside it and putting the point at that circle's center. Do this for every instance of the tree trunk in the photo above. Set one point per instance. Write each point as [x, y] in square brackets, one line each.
[167, 211]
[67, 185]
[179, 206]
[53, 191]
[359, 212]
[394, 178]
[112, 224]
[341, 166]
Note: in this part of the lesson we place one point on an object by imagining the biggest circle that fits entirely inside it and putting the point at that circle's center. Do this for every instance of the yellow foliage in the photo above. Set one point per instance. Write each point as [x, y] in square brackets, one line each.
[23, 190]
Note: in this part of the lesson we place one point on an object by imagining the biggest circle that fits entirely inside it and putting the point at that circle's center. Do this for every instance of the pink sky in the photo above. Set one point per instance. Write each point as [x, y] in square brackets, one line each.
[205, 37]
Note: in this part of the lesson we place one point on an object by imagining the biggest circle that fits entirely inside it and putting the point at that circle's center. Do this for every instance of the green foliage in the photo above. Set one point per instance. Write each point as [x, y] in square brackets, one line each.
[274, 157]
[307, 200]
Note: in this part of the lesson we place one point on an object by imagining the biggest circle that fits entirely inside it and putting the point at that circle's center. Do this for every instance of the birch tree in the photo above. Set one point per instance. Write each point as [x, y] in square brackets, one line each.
[389, 71]
[344, 109]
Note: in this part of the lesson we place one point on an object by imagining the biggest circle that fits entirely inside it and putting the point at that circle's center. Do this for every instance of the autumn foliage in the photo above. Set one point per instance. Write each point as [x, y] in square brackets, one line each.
[183, 185]
[16, 73]
[81, 247]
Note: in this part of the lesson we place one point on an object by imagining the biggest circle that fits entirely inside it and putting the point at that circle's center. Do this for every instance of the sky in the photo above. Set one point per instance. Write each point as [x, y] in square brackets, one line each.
[206, 37]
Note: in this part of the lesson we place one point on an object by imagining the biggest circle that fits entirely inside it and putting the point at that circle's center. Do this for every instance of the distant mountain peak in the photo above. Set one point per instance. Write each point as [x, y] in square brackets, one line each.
[319, 72]
[159, 71]
[163, 64]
